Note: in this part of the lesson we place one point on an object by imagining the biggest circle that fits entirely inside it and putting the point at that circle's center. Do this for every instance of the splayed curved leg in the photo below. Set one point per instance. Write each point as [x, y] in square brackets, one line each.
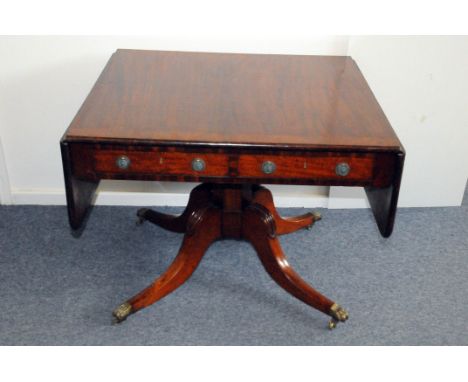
[198, 196]
[203, 228]
[260, 231]
[235, 212]
[264, 197]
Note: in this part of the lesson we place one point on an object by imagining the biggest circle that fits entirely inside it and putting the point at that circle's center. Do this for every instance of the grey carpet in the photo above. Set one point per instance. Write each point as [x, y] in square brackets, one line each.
[410, 289]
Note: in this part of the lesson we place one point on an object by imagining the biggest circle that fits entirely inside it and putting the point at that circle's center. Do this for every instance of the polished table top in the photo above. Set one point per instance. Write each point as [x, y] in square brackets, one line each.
[232, 99]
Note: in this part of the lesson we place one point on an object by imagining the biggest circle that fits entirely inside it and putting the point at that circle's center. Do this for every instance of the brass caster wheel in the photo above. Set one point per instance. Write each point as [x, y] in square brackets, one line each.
[332, 324]
[122, 312]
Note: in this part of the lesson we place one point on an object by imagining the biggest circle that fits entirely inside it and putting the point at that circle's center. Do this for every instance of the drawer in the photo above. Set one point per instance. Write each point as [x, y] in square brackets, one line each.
[333, 167]
[160, 162]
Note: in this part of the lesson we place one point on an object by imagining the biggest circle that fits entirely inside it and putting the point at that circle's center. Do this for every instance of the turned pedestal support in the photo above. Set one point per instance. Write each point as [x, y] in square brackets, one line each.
[244, 212]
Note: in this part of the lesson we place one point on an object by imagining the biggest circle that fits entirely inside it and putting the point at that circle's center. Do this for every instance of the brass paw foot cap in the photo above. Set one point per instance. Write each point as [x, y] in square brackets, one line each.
[338, 313]
[122, 312]
[317, 216]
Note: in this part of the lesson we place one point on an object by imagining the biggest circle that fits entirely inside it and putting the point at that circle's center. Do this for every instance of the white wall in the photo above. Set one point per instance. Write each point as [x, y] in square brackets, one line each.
[418, 81]
[421, 82]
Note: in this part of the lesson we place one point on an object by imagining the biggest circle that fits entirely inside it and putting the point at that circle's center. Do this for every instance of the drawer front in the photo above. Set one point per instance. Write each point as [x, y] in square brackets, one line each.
[149, 163]
[333, 167]
[153, 162]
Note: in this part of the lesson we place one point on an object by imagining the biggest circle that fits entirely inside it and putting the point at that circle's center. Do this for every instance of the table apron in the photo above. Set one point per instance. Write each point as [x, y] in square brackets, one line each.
[91, 162]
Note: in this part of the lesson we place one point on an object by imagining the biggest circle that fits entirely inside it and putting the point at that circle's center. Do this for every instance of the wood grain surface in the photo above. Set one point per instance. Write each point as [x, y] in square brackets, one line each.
[233, 99]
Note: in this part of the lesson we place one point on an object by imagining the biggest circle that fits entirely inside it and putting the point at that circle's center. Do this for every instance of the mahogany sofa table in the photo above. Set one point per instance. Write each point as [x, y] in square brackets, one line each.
[232, 122]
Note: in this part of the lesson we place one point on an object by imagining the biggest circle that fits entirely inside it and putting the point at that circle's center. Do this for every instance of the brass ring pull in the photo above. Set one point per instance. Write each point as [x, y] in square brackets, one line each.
[342, 169]
[198, 164]
[123, 162]
[268, 167]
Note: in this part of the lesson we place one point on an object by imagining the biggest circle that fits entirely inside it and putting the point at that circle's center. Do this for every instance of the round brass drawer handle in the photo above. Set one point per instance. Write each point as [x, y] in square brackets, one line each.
[342, 169]
[268, 167]
[198, 164]
[123, 162]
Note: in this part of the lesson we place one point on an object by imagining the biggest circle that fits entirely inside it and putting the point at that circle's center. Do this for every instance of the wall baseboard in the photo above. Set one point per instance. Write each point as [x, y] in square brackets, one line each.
[5, 195]
[338, 198]
[110, 198]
